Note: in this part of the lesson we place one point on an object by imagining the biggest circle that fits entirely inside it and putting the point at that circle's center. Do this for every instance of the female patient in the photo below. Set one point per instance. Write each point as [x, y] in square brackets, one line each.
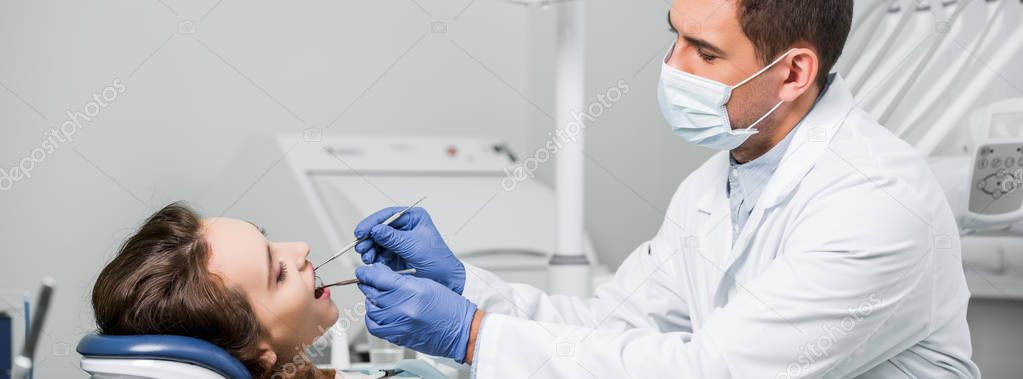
[220, 280]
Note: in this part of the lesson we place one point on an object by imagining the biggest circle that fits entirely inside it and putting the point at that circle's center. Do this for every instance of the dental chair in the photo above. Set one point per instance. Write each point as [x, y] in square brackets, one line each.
[156, 357]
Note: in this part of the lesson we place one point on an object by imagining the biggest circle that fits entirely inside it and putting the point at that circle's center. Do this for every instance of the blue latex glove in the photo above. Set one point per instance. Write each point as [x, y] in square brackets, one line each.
[411, 241]
[416, 313]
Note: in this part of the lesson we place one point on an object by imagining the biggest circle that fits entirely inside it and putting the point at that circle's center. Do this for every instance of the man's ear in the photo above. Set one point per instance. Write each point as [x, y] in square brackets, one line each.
[267, 356]
[803, 65]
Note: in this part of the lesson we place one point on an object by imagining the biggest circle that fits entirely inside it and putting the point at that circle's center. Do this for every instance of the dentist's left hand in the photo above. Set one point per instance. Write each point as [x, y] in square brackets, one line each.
[411, 241]
[415, 312]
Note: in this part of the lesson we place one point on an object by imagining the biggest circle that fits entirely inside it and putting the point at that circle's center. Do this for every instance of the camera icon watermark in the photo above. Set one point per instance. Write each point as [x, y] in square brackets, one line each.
[186, 27]
[438, 27]
[61, 349]
[692, 27]
[565, 349]
[942, 242]
[692, 242]
[312, 135]
[818, 134]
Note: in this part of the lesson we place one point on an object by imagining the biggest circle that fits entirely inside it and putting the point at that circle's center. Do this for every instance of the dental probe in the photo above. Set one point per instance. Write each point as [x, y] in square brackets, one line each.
[319, 289]
[388, 221]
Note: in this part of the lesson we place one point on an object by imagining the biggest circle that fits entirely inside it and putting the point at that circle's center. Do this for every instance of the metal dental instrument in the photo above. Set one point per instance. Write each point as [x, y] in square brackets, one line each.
[356, 281]
[319, 289]
[388, 221]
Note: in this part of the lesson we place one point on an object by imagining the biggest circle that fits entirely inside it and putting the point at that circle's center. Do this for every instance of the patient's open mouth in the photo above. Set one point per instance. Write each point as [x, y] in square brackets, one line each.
[317, 286]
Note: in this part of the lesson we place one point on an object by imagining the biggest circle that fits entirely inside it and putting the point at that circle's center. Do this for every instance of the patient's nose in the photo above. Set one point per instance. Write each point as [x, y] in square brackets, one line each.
[298, 250]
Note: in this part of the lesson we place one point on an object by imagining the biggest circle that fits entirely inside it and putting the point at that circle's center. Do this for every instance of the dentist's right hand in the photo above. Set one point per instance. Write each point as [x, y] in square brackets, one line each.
[411, 241]
[418, 313]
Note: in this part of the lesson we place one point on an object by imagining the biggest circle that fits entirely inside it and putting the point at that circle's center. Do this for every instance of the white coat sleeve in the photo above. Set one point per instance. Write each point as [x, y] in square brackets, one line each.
[642, 294]
[842, 297]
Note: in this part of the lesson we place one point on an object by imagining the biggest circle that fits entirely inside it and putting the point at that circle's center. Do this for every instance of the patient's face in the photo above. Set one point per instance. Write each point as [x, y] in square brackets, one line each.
[276, 278]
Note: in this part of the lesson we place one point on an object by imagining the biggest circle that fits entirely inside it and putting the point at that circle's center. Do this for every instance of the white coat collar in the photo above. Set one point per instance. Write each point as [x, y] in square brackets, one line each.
[810, 141]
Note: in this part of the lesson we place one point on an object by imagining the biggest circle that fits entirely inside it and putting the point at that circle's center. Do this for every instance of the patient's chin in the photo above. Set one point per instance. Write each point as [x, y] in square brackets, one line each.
[327, 320]
[333, 315]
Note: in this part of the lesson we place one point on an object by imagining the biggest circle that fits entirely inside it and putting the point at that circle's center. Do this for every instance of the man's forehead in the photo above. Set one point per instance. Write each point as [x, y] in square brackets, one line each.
[706, 18]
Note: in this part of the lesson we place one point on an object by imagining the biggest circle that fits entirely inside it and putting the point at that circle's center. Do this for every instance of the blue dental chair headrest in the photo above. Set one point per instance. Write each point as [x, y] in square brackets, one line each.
[164, 347]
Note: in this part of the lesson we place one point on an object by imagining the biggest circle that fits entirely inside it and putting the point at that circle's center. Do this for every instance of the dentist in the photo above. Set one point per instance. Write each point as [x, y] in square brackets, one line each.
[815, 244]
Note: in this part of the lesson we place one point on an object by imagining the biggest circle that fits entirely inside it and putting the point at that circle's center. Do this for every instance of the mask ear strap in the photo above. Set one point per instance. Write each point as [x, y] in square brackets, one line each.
[764, 117]
[768, 67]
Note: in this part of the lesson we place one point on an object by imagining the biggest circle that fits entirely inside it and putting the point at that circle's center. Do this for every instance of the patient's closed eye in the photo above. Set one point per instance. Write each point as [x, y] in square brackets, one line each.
[282, 272]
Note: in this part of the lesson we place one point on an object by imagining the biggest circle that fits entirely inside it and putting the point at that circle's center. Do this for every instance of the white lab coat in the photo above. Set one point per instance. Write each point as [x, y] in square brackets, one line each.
[849, 266]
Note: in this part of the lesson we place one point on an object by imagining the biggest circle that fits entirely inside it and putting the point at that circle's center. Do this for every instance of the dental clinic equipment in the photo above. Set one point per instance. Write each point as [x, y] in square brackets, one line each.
[351, 245]
[995, 197]
[27, 303]
[922, 67]
[569, 268]
[6, 342]
[23, 362]
[985, 189]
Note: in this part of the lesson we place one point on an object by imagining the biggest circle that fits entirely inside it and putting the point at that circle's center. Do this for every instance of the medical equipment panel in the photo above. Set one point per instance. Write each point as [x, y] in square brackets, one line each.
[995, 197]
[997, 178]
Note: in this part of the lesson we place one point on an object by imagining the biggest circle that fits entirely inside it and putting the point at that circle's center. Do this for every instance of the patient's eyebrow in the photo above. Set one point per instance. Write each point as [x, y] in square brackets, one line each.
[269, 268]
[259, 228]
[269, 258]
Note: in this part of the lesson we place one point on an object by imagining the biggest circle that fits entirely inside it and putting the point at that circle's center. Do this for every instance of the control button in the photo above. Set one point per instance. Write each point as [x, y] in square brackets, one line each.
[1009, 162]
[982, 164]
[996, 162]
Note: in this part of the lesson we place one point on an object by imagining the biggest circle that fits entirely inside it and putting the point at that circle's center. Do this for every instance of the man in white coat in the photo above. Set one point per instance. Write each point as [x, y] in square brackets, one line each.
[816, 244]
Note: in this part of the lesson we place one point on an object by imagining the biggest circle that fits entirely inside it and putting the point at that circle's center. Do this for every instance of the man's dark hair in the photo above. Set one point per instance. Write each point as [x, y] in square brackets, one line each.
[775, 25]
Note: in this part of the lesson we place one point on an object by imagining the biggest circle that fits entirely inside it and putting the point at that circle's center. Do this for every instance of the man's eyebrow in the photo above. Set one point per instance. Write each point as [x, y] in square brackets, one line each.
[699, 43]
[704, 45]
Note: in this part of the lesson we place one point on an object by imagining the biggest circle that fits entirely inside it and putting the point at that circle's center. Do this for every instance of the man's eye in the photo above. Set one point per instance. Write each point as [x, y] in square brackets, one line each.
[282, 272]
[706, 58]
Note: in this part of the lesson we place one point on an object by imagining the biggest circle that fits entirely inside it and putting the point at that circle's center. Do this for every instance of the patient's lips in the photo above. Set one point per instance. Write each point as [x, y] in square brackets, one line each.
[321, 293]
[319, 290]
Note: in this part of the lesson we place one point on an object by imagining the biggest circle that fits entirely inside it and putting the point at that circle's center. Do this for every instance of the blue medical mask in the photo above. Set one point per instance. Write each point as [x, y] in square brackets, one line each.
[695, 107]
